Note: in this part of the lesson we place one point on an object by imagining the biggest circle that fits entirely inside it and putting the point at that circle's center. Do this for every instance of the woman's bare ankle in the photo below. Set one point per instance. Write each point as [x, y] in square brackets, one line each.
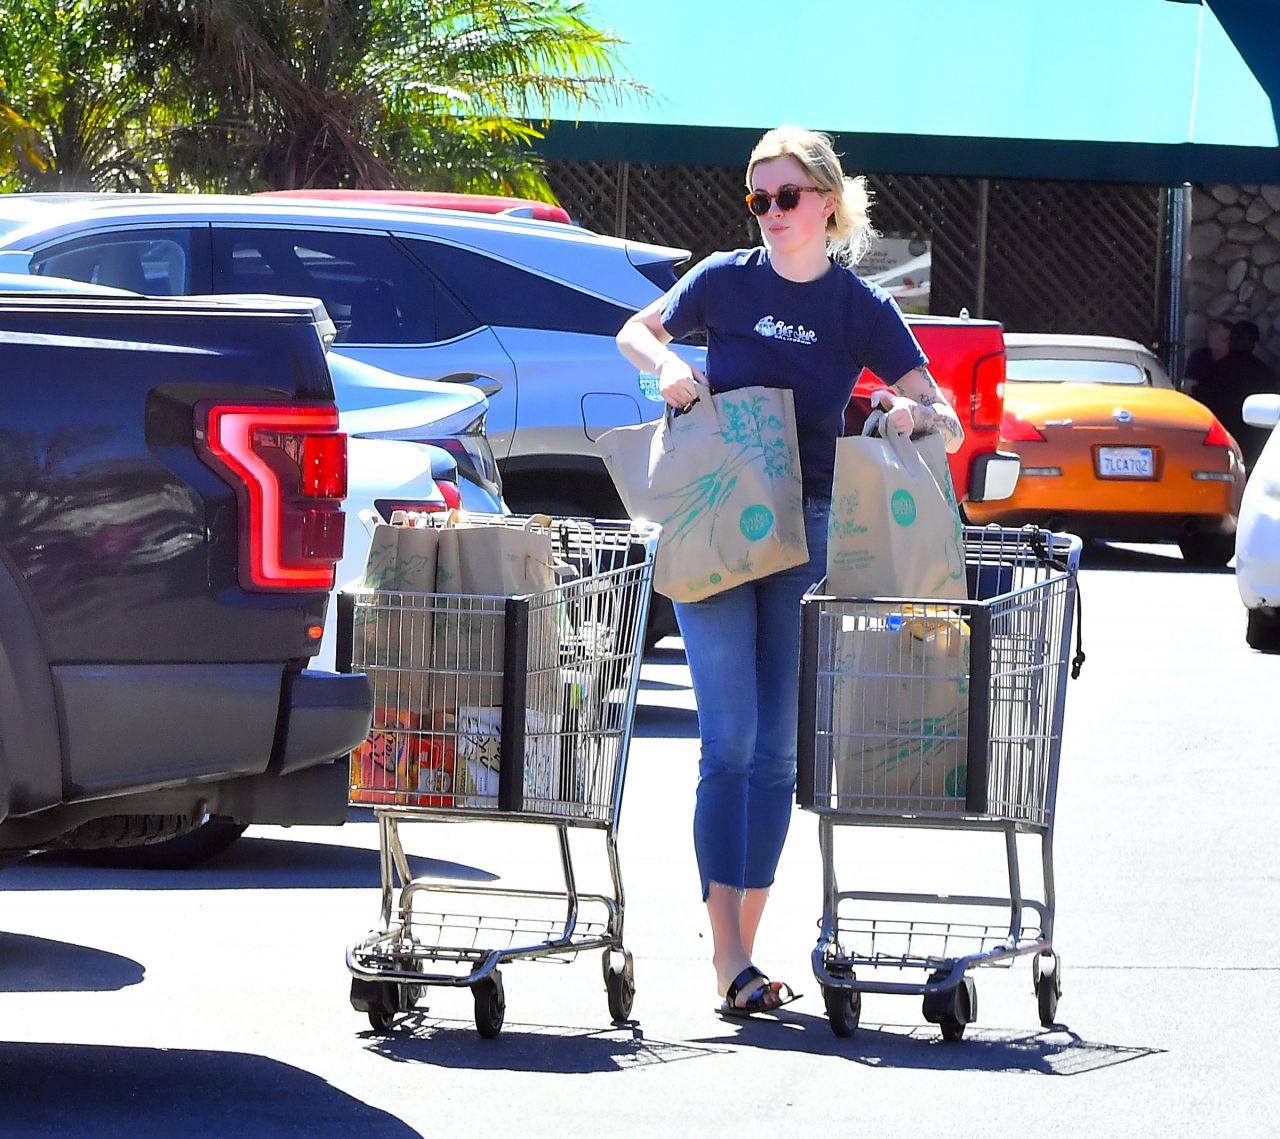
[728, 971]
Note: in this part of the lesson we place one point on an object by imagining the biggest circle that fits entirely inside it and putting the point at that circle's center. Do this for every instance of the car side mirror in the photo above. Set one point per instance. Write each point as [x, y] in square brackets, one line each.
[1262, 410]
[486, 384]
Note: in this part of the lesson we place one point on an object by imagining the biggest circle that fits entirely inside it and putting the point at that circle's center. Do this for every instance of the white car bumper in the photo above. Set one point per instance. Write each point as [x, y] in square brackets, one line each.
[1258, 532]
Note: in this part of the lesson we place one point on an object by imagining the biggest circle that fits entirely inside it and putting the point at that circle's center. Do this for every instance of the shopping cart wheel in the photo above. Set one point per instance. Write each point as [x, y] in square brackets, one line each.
[1046, 970]
[380, 1000]
[844, 1008]
[491, 1005]
[620, 982]
[952, 1010]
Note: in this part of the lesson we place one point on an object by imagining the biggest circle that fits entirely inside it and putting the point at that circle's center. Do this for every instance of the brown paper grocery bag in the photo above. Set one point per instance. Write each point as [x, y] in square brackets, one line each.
[723, 480]
[398, 634]
[894, 531]
[901, 711]
[477, 567]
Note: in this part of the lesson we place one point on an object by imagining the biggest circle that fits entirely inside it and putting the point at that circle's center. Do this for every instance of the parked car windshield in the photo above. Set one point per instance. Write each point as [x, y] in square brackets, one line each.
[1075, 371]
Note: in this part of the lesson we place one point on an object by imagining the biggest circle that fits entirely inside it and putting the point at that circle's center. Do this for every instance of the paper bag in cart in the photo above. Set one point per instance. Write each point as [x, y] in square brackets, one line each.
[900, 714]
[486, 562]
[723, 479]
[397, 638]
[894, 528]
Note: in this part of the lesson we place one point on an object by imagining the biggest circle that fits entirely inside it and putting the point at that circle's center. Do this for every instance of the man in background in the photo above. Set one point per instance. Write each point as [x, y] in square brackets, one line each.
[1231, 380]
[1201, 361]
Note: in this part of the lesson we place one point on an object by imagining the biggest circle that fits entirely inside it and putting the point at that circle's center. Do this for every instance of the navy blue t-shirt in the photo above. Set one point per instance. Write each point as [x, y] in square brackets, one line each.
[813, 337]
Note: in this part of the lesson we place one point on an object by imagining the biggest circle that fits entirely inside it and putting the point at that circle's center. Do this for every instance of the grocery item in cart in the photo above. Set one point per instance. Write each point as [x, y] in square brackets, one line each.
[895, 528]
[403, 559]
[468, 648]
[479, 755]
[408, 759]
[901, 712]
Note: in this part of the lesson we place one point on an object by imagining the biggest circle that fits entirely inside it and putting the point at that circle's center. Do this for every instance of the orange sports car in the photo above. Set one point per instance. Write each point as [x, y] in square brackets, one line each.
[1110, 449]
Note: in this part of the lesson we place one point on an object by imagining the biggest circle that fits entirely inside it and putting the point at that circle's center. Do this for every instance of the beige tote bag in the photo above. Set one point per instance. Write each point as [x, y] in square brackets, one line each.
[894, 529]
[723, 480]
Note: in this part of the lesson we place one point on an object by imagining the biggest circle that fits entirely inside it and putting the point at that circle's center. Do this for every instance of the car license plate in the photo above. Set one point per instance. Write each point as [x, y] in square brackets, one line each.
[1126, 463]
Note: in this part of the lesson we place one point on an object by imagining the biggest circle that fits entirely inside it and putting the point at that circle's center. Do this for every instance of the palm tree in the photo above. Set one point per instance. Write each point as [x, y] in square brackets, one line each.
[71, 115]
[22, 149]
[443, 94]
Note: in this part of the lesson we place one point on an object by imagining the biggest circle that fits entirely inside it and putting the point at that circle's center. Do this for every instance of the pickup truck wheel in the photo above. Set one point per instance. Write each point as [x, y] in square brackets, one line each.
[182, 853]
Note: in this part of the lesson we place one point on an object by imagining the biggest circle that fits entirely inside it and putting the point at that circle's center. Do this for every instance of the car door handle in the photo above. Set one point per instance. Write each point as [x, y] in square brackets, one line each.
[487, 384]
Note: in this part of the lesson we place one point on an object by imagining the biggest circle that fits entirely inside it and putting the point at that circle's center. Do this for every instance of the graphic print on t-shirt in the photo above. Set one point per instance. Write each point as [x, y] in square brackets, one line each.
[772, 329]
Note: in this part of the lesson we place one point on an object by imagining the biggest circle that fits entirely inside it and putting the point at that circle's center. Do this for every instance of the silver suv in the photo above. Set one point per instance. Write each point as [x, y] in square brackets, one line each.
[521, 309]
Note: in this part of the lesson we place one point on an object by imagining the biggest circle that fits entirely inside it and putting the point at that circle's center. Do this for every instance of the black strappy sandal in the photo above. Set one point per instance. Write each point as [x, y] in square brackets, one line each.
[769, 997]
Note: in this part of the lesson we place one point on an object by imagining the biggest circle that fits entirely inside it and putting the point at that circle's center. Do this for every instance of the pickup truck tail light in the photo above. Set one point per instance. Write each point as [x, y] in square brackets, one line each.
[288, 465]
[986, 404]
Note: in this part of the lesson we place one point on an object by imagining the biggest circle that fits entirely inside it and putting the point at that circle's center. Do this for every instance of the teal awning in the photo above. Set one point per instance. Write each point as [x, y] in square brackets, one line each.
[1157, 91]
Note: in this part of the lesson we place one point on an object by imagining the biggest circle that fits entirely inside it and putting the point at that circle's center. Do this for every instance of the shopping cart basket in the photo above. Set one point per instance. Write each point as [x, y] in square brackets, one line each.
[514, 709]
[940, 715]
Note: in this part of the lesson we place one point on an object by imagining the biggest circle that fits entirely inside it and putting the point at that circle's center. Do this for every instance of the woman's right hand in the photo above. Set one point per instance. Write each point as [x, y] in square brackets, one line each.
[678, 382]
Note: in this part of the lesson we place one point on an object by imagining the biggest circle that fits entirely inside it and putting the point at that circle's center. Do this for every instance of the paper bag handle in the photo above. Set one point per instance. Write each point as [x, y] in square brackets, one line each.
[874, 427]
[705, 399]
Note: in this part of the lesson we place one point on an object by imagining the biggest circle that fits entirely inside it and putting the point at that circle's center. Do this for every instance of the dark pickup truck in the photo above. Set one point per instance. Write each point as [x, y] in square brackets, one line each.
[171, 477]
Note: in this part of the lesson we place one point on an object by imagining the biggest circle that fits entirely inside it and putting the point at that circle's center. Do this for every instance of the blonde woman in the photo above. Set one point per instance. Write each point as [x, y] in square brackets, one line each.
[790, 313]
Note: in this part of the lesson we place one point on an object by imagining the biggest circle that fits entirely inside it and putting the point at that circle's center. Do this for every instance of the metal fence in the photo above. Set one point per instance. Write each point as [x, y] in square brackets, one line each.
[1085, 257]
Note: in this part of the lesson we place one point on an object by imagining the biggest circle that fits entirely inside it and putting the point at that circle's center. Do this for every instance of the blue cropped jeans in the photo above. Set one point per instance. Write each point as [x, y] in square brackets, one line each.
[743, 650]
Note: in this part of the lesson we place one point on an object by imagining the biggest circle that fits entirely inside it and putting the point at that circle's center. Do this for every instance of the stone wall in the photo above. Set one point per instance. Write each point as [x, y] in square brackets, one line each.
[1233, 268]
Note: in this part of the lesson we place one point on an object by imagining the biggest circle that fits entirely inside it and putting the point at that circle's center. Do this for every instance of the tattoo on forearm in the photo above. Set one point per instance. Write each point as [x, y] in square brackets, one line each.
[933, 413]
[941, 419]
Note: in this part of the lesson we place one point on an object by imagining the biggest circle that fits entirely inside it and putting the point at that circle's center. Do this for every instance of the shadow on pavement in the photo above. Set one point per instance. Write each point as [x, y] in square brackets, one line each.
[668, 651]
[1138, 556]
[665, 721]
[1053, 1051]
[100, 1091]
[419, 1038]
[253, 863]
[647, 685]
[38, 965]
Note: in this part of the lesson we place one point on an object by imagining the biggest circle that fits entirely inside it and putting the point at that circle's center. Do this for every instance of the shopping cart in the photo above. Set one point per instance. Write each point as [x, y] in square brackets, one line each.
[511, 709]
[940, 715]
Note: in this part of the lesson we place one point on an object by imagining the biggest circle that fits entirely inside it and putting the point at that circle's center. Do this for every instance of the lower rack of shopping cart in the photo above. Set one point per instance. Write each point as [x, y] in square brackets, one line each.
[439, 932]
[853, 952]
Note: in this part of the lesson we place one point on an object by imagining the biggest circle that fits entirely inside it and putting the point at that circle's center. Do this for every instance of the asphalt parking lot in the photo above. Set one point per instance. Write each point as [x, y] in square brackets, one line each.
[215, 1002]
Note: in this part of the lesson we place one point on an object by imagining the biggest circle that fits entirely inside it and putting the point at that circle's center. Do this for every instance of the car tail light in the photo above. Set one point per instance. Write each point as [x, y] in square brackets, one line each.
[1217, 436]
[288, 465]
[386, 507]
[986, 404]
[1015, 429]
[462, 435]
[449, 491]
